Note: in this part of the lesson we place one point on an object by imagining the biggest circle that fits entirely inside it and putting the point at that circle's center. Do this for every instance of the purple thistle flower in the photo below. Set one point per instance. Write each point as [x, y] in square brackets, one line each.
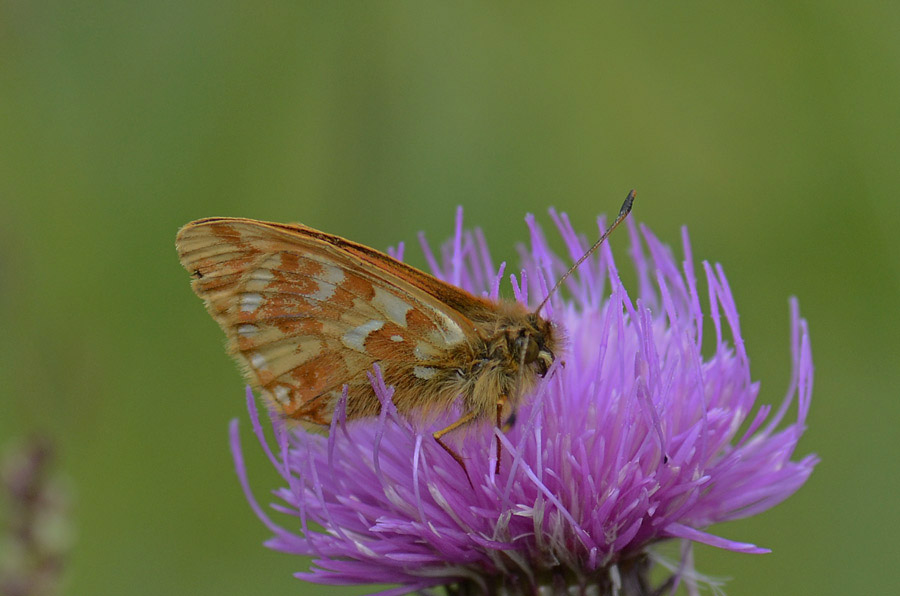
[633, 438]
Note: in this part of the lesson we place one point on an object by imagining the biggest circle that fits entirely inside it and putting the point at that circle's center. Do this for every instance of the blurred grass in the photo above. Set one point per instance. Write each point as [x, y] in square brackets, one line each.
[770, 129]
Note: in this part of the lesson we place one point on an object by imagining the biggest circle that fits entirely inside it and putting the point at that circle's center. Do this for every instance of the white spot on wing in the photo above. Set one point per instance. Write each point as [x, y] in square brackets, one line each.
[424, 351]
[273, 262]
[452, 332]
[257, 360]
[332, 274]
[282, 394]
[329, 279]
[393, 307]
[424, 372]
[397, 338]
[250, 302]
[263, 274]
[248, 330]
[355, 339]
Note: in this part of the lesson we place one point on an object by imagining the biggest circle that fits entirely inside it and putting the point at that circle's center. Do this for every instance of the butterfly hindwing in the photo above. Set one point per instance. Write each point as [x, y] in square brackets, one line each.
[304, 315]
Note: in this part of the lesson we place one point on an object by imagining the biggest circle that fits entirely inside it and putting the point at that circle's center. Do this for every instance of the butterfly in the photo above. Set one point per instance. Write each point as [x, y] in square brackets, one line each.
[307, 314]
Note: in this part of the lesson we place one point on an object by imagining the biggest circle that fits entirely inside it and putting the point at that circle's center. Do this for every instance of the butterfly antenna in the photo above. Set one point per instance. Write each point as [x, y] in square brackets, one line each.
[623, 213]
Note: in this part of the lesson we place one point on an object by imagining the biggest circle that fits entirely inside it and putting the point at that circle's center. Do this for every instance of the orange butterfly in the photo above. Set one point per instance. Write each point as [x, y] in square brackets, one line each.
[307, 313]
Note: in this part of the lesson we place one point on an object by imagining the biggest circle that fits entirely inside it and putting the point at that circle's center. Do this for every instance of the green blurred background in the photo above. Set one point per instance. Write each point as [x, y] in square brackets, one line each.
[771, 130]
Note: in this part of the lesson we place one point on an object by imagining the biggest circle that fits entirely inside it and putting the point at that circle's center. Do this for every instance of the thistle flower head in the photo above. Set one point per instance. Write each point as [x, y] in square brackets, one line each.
[634, 437]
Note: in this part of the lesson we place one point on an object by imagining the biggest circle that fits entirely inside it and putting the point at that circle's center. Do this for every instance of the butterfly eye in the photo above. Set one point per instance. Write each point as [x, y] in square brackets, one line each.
[531, 349]
[545, 359]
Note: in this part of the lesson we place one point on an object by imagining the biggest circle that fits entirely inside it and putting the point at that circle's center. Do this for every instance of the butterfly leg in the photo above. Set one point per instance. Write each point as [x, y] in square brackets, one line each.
[465, 419]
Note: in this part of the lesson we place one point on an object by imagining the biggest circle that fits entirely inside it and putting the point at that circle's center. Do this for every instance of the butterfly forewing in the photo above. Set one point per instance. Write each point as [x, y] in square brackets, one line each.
[306, 313]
